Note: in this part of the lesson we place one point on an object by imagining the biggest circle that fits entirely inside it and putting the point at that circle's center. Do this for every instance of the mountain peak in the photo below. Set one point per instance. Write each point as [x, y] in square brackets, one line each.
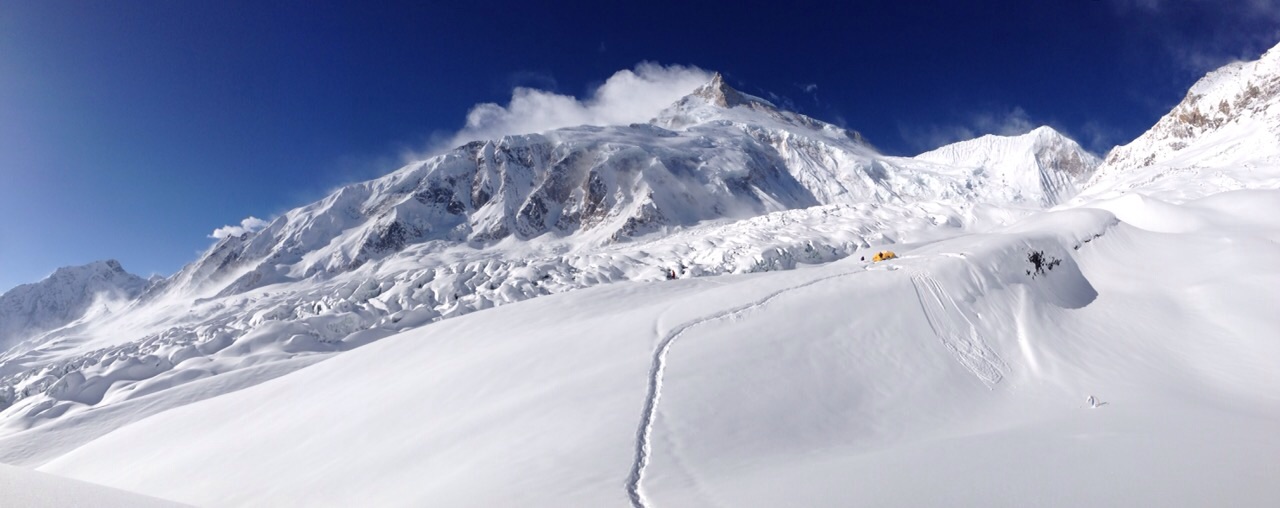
[1045, 130]
[719, 93]
[1046, 135]
[716, 101]
[1044, 163]
[106, 267]
[1036, 135]
[1235, 102]
[1033, 139]
[63, 296]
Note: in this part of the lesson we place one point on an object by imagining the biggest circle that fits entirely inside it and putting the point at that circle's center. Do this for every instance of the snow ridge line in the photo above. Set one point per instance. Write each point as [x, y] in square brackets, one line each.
[659, 367]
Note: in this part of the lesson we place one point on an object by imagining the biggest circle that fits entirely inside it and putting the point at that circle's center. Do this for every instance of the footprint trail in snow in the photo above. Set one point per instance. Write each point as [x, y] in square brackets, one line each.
[644, 435]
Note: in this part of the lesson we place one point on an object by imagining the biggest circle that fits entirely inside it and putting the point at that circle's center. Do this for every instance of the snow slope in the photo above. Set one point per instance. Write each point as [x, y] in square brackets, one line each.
[720, 182]
[967, 372]
[32, 489]
[420, 285]
[954, 375]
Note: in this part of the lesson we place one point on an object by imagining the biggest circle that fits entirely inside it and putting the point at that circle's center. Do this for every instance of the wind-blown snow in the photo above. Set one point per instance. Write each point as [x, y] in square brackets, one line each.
[719, 182]
[682, 312]
[65, 296]
[629, 96]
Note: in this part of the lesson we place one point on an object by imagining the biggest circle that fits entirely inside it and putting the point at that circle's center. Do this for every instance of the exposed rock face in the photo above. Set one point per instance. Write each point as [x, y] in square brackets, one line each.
[1240, 92]
[1225, 134]
[720, 94]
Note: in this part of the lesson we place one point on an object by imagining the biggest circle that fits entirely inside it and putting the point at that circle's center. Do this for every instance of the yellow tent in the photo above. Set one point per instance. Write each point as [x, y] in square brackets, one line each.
[884, 255]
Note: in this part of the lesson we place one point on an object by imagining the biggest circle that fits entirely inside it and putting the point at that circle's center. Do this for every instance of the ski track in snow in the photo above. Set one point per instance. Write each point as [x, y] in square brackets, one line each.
[658, 368]
[956, 332]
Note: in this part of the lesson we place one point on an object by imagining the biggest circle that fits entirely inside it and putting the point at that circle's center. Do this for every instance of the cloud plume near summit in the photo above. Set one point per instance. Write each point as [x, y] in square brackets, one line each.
[248, 225]
[629, 96]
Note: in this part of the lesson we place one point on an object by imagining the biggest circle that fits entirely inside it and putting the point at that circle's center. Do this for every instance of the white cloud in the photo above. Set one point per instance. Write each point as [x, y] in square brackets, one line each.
[1092, 135]
[936, 136]
[783, 102]
[810, 89]
[1202, 35]
[1007, 123]
[1126, 5]
[248, 225]
[1254, 7]
[1098, 137]
[1011, 122]
[629, 96]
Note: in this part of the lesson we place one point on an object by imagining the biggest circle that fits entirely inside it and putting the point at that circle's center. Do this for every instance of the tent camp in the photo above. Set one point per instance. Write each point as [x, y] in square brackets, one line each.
[884, 255]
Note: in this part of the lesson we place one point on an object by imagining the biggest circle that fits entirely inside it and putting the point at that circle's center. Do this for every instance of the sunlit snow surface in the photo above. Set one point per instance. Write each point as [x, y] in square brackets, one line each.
[33, 489]
[740, 190]
[1117, 349]
[948, 376]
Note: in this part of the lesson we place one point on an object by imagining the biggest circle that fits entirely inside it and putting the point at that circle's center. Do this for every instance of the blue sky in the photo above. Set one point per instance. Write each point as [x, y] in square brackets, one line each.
[133, 129]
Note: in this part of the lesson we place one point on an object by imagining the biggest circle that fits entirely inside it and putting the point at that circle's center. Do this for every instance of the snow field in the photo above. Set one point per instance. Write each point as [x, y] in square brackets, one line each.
[32, 489]
[843, 382]
[419, 286]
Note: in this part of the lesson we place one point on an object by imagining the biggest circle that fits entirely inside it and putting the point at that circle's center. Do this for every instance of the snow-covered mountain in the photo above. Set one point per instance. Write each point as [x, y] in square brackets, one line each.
[1044, 164]
[1224, 135]
[720, 182]
[68, 294]
[715, 154]
[969, 357]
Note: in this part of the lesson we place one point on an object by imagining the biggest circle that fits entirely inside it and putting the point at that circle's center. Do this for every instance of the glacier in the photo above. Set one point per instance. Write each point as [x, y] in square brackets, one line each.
[685, 312]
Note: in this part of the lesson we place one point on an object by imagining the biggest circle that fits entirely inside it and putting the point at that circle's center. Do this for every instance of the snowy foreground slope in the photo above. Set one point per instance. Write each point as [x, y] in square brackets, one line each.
[32, 489]
[956, 375]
